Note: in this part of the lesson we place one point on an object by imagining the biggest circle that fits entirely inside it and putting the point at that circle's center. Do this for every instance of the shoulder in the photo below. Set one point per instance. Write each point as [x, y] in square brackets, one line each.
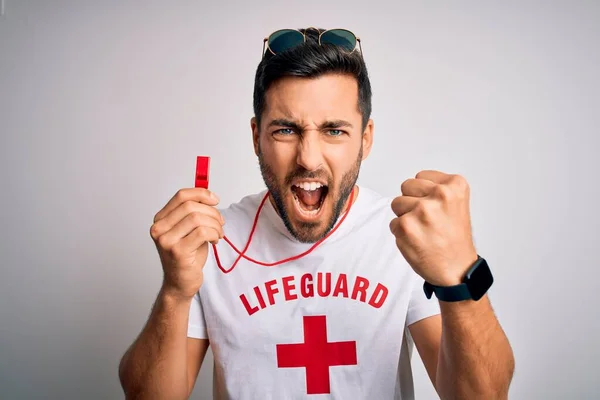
[375, 204]
[372, 211]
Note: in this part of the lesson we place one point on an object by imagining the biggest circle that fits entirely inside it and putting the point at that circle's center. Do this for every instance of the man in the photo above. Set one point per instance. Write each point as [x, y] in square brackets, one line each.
[315, 286]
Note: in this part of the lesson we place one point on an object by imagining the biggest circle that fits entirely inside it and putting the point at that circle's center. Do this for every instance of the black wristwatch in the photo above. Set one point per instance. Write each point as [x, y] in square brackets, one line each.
[476, 283]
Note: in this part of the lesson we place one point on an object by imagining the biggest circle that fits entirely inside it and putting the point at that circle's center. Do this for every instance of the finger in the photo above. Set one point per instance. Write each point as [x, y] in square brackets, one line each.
[403, 204]
[433, 176]
[199, 195]
[406, 227]
[397, 227]
[186, 226]
[197, 238]
[417, 187]
[403, 230]
[170, 220]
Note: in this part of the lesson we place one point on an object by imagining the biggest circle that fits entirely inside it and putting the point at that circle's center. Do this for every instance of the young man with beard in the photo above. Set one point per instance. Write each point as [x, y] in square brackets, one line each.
[317, 286]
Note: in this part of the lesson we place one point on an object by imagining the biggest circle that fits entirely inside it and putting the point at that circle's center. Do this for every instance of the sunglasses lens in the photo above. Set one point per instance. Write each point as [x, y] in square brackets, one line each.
[284, 39]
[339, 37]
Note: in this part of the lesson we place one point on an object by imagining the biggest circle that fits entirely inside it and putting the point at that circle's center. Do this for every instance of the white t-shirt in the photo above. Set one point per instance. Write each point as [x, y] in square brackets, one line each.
[330, 325]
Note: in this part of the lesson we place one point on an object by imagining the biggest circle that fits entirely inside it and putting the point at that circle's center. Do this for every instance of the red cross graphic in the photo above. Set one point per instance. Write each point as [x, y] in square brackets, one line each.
[316, 354]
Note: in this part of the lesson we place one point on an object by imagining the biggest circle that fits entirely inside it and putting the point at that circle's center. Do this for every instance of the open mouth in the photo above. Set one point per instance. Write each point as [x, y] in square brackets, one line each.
[309, 198]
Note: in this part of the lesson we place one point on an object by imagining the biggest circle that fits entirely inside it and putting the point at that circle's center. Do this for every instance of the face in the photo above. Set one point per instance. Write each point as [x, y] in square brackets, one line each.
[310, 146]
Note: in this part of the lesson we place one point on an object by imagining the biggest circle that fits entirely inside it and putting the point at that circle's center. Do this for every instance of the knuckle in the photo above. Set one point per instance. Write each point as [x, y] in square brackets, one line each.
[211, 233]
[394, 206]
[197, 219]
[202, 232]
[154, 231]
[404, 186]
[442, 192]
[404, 224]
[188, 207]
[458, 179]
[180, 196]
[460, 183]
[421, 209]
[204, 194]
[394, 226]
[207, 233]
[401, 225]
[164, 242]
[400, 206]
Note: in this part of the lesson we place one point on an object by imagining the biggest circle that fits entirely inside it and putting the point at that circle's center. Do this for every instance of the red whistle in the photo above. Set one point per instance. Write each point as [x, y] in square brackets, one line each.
[202, 170]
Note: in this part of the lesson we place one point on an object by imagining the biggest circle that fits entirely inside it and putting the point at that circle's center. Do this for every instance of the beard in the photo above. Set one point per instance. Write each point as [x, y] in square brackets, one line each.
[308, 232]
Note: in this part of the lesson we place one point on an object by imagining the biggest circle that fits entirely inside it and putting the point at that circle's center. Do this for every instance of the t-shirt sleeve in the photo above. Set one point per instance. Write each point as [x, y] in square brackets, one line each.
[419, 306]
[196, 322]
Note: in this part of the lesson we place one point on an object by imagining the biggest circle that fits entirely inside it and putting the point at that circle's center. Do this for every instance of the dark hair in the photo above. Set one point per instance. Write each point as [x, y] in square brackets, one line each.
[311, 60]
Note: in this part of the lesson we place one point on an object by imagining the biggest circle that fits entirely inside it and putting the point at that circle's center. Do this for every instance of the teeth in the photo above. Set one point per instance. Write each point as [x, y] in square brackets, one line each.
[309, 186]
[309, 213]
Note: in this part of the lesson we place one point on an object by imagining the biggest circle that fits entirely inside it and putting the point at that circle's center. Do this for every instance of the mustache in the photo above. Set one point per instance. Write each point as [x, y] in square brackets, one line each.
[305, 174]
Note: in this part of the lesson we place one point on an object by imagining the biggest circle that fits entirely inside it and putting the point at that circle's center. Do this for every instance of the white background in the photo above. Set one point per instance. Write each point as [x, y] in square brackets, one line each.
[104, 106]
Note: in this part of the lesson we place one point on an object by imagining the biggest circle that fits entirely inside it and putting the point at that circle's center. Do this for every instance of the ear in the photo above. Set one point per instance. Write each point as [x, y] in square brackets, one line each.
[367, 138]
[255, 134]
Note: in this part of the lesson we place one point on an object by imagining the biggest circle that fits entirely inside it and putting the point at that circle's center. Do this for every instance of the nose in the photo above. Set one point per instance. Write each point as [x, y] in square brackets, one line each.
[310, 155]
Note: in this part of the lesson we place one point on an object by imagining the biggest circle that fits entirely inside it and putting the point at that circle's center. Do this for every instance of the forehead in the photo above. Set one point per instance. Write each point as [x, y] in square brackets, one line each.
[330, 96]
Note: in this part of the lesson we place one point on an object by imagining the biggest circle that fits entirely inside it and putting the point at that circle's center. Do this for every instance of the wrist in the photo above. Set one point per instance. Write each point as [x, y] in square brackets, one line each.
[456, 278]
[473, 285]
[173, 296]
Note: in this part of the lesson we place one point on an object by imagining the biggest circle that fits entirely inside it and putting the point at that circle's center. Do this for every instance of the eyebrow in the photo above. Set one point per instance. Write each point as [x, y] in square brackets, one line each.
[333, 124]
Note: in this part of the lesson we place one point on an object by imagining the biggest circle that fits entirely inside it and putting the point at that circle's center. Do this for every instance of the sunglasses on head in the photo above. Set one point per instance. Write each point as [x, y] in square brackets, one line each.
[284, 39]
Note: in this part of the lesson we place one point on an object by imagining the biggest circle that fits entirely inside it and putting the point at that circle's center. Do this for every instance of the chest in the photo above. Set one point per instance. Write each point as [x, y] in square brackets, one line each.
[356, 293]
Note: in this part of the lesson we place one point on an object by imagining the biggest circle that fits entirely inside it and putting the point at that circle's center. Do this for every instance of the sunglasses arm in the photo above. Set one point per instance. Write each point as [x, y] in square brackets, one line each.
[263, 49]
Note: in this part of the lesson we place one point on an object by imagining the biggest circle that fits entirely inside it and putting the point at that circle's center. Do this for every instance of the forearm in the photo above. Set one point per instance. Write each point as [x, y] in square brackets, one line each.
[475, 360]
[155, 366]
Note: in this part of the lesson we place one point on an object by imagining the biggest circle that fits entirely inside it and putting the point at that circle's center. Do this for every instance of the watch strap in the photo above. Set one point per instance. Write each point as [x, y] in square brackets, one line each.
[458, 292]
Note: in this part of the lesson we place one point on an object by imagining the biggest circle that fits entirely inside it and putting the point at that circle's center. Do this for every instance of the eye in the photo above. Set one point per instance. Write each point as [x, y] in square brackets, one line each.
[335, 132]
[284, 131]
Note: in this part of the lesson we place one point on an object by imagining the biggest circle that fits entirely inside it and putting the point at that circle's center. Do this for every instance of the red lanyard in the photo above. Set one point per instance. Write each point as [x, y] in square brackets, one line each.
[242, 254]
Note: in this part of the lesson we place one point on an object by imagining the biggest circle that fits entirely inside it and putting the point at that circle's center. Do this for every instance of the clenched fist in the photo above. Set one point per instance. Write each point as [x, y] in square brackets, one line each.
[433, 227]
[181, 232]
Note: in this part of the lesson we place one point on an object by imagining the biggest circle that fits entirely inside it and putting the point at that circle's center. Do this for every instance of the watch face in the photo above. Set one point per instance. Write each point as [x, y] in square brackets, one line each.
[479, 279]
